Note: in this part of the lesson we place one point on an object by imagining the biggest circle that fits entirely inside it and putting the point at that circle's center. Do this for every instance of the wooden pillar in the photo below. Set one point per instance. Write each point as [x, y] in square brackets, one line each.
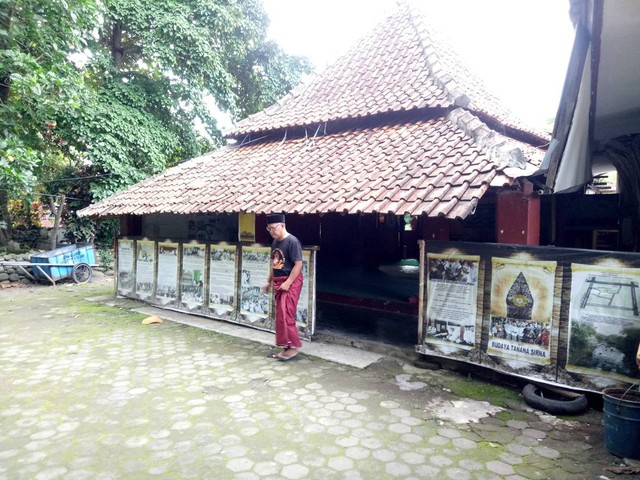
[518, 216]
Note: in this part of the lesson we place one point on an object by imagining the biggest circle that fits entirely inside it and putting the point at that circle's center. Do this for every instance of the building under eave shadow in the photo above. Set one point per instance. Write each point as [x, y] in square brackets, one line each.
[394, 143]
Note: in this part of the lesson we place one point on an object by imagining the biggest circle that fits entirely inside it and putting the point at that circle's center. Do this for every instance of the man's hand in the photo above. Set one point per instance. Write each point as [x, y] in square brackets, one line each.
[266, 287]
[284, 286]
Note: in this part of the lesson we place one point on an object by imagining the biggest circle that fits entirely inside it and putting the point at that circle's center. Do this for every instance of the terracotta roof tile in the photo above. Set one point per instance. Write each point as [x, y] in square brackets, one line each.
[414, 171]
[403, 65]
[385, 71]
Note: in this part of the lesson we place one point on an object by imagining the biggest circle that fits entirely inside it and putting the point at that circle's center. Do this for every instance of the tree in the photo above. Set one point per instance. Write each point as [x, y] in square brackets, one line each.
[155, 65]
[132, 110]
[37, 84]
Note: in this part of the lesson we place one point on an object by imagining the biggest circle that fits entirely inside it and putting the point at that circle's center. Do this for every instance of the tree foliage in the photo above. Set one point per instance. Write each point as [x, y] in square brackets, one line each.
[37, 83]
[109, 92]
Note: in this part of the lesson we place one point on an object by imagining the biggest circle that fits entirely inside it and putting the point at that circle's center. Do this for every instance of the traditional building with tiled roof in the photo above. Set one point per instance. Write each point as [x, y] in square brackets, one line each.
[396, 126]
[395, 142]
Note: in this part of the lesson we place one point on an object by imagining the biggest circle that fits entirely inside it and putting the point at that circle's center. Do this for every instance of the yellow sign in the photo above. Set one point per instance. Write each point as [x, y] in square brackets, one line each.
[247, 227]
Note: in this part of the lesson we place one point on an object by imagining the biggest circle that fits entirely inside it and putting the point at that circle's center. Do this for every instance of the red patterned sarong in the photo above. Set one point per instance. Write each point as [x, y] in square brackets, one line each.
[286, 305]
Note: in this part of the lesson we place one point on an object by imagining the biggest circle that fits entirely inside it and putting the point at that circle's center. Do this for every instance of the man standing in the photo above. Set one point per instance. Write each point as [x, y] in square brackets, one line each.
[284, 274]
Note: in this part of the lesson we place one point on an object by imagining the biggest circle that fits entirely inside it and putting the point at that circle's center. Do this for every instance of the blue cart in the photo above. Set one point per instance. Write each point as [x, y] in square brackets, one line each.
[73, 261]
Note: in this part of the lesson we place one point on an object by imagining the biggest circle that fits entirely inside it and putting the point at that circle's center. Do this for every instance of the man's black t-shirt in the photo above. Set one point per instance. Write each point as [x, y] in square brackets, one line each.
[283, 255]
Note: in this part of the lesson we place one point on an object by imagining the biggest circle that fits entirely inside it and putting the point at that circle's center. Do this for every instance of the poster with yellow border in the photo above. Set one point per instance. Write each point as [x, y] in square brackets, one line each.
[452, 292]
[521, 315]
[604, 321]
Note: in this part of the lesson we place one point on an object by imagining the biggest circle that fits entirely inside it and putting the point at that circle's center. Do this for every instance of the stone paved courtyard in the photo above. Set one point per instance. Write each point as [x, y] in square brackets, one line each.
[89, 392]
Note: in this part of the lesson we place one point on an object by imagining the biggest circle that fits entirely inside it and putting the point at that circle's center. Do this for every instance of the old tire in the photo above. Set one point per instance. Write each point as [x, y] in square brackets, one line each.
[81, 273]
[554, 402]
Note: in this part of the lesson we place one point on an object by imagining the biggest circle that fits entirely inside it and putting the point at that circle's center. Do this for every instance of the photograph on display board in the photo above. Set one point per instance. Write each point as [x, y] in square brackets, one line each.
[192, 275]
[255, 271]
[604, 321]
[205, 228]
[222, 278]
[452, 296]
[167, 281]
[145, 266]
[126, 257]
[521, 316]
[302, 313]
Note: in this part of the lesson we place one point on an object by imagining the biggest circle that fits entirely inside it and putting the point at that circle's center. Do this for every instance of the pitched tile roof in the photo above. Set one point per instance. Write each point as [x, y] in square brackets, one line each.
[423, 166]
[388, 128]
[402, 65]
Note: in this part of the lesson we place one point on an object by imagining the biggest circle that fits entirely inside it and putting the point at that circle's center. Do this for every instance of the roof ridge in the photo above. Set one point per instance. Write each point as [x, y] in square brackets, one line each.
[445, 62]
[437, 69]
[500, 148]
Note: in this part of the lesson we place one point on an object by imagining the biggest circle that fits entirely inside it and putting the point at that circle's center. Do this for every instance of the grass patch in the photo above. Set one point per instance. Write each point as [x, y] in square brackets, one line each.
[478, 390]
[507, 415]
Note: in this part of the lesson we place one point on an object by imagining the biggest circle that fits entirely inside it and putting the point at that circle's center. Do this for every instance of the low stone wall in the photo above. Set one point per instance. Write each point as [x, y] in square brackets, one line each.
[10, 275]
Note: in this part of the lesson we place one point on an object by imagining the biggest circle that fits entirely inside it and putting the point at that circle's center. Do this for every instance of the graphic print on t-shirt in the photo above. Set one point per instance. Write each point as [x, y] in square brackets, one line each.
[277, 259]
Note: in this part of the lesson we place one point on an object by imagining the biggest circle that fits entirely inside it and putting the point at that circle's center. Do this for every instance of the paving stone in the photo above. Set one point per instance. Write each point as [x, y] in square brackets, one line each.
[501, 436]
[533, 433]
[470, 465]
[546, 452]
[449, 432]
[396, 469]
[458, 474]
[340, 463]
[542, 426]
[171, 401]
[518, 449]
[441, 461]
[527, 441]
[294, 471]
[517, 424]
[511, 458]
[464, 443]
[530, 472]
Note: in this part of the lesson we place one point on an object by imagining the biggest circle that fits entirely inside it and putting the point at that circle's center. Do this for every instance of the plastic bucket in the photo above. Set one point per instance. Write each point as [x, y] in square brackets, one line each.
[622, 422]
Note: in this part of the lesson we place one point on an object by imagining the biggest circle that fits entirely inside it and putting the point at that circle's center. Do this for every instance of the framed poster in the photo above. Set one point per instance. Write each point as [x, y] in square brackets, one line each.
[145, 268]
[604, 321]
[452, 291]
[222, 278]
[167, 276]
[125, 276]
[254, 305]
[192, 275]
[302, 312]
[521, 316]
